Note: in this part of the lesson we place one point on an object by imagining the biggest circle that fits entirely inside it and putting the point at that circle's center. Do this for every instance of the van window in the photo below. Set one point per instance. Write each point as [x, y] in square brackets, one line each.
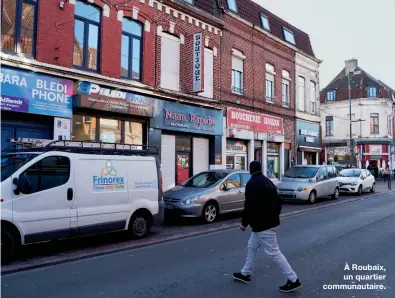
[12, 162]
[49, 172]
[245, 177]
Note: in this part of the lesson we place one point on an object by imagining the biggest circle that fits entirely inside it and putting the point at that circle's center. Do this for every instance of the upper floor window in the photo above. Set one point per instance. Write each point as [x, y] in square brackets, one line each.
[208, 73]
[329, 126]
[372, 91]
[313, 98]
[189, 1]
[289, 35]
[374, 123]
[285, 88]
[170, 68]
[232, 5]
[390, 125]
[301, 94]
[265, 22]
[270, 78]
[237, 72]
[132, 33]
[86, 36]
[331, 95]
[18, 26]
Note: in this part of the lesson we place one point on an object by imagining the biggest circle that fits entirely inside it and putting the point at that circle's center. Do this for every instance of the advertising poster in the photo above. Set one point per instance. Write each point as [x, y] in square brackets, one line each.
[62, 129]
[30, 92]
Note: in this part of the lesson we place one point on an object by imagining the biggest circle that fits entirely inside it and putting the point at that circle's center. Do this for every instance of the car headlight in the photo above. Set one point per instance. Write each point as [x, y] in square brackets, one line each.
[190, 201]
[354, 183]
[304, 188]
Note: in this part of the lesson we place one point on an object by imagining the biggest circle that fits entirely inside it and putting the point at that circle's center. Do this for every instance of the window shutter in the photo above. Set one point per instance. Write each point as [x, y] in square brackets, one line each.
[170, 63]
[237, 64]
[208, 73]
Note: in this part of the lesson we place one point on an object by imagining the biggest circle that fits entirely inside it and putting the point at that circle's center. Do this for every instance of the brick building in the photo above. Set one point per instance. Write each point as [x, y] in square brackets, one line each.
[148, 72]
[372, 116]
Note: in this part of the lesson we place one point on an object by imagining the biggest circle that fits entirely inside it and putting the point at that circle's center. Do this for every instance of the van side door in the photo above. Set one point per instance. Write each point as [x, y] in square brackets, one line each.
[42, 210]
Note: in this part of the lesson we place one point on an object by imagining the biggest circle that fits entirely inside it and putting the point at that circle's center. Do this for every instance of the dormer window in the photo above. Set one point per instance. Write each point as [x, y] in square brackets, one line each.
[265, 22]
[372, 91]
[189, 1]
[331, 95]
[289, 36]
[232, 5]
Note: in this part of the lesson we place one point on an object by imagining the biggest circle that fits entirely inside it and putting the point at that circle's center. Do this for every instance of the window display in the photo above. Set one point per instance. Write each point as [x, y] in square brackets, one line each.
[273, 162]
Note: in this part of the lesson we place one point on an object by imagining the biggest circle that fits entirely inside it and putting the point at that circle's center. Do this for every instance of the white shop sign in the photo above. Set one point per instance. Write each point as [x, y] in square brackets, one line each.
[197, 62]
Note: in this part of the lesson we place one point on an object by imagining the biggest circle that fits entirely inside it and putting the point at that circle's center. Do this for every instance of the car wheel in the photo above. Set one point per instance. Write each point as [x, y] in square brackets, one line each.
[140, 224]
[360, 190]
[210, 212]
[8, 246]
[335, 195]
[373, 189]
[312, 197]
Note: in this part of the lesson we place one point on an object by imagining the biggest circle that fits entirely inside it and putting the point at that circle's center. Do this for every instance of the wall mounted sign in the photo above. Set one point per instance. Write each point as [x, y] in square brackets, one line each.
[97, 97]
[309, 139]
[181, 117]
[375, 149]
[198, 62]
[308, 135]
[245, 120]
[236, 146]
[33, 93]
[62, 129]
[311, 133]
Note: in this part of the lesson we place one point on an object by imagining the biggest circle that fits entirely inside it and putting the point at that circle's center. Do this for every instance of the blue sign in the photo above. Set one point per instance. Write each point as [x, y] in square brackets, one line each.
[308, 134]
[181, 117]
[30, 92]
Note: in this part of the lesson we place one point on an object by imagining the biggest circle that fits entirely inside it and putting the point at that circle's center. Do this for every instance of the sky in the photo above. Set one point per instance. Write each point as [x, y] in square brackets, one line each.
[344, 29]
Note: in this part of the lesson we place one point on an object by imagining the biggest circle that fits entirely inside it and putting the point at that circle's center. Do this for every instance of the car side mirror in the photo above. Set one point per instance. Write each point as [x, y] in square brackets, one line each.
[319, 178]
[15, 181]
[23, 185]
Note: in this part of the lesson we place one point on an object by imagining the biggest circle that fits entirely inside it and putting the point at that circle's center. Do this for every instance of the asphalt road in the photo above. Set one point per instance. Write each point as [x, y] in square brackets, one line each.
[318, 245]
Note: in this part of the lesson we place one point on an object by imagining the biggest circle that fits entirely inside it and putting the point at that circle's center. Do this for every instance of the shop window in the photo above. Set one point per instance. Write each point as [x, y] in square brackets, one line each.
[170, 68]
[273, 161]
[86, 36]
[133, 133]
[18, 26]
[84, 128]
[110, 130]
[131, 50]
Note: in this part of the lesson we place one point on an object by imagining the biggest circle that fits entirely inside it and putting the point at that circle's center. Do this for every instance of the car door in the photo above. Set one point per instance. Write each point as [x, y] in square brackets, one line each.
[332, 181]
[231, 195]
[368, 181]
[46, 209]
[321, 184]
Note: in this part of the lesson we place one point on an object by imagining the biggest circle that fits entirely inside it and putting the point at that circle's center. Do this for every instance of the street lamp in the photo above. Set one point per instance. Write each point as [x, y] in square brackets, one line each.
[354, 71]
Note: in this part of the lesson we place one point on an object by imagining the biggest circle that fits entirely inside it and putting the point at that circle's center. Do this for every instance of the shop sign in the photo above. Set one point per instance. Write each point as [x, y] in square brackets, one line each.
[308, 134]
[375, 149]
[180, 117]
[197, 62]
[97, 97]
[311, 133]
[235, 146]
[245, 120]
[62, 129]
[309, 139]
[33, 93]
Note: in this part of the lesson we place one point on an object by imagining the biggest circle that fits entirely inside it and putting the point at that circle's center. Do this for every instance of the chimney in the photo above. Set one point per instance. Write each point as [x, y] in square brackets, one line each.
[350, 65]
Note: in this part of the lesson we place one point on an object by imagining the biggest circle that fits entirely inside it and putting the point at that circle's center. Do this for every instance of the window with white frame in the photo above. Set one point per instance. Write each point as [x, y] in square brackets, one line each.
[390, 125]
[237, 72]
[313, 98]
[289, 36]
[265, 22]
[329, 126]
[374, 123]
[285, 88]
[208, 73]
[301, 94]
[331, 95]
[170, 68]
[372, 91]
[270, 80]
[232, 5]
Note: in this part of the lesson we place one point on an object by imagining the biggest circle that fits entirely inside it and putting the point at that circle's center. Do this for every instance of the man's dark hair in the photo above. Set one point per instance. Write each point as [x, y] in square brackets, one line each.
[255, 166]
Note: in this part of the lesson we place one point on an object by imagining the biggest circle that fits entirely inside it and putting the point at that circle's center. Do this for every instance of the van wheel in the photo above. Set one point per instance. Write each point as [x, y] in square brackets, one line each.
[8, 246]
[312, 197]
[210, 212]
[140, 224]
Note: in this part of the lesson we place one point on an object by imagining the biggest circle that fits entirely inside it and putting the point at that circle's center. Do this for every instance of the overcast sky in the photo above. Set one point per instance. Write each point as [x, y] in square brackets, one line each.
[343, 29]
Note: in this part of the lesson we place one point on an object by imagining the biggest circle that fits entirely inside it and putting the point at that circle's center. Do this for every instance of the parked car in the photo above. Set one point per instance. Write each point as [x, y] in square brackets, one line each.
[208, 194]
[309, 182]
[356, 181]
[64, 192]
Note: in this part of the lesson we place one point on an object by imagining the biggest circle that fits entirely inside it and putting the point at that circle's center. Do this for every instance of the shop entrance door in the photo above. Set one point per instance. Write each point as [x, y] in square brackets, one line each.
[236, 162]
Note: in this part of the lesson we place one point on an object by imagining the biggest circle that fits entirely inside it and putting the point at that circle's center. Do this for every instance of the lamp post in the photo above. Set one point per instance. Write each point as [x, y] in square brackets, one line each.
[354, 71]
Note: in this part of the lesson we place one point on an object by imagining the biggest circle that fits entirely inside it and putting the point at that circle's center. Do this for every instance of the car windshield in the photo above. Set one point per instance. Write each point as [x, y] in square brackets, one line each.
[301, 172]
[350, 173]
[205, 179]
[12, 162]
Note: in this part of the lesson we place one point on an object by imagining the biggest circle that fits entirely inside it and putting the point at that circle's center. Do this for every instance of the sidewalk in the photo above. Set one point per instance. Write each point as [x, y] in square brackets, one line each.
[382, 186]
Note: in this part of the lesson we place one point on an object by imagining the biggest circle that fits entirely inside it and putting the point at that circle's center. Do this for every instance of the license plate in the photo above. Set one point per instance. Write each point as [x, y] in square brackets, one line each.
[169, 206]
[286, 193]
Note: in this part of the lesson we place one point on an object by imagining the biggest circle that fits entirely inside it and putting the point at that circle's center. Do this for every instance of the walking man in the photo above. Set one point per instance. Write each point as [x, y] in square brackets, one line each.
[262, 212]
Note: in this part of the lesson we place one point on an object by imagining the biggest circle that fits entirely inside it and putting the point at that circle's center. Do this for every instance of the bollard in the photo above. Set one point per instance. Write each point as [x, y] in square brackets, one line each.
[389, 180]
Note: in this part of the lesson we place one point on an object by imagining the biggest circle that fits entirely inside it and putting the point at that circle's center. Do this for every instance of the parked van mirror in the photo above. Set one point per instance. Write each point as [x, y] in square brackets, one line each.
[24, 185]
[17, 191]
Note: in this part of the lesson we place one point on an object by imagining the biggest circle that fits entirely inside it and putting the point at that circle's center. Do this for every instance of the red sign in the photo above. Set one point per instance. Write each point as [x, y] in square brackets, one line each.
[245, 120]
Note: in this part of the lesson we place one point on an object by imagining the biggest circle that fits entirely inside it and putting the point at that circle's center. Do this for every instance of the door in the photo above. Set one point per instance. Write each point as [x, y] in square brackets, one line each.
[240, 162]
[45, 210]
[332, 181]
[321, 185]
[231, 196]
[367, 180]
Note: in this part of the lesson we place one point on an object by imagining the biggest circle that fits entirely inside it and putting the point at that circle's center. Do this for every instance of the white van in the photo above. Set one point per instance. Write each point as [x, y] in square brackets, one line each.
[69, 189]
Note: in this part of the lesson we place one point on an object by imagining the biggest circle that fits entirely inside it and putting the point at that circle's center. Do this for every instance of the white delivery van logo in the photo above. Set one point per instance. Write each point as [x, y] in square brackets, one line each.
[109, 179]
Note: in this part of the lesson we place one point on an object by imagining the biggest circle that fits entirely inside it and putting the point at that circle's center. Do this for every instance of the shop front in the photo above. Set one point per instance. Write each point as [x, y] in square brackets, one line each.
[34, 105]
[308, 143]
[189, 138]
[253, 136]
[376, 156]
[109, 115]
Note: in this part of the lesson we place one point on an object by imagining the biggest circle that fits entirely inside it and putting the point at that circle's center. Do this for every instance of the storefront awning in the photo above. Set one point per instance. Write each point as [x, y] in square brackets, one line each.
[309, 149]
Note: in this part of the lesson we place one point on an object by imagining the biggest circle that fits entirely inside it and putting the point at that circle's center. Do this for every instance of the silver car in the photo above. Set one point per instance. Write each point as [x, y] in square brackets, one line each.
[309, 182]
[208, 194]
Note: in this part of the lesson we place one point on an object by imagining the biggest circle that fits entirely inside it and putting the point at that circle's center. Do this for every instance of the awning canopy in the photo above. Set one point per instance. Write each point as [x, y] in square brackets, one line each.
[309, 149]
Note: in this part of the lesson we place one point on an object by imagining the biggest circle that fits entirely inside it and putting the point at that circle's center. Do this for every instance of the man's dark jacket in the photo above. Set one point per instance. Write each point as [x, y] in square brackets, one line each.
[262, 204]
